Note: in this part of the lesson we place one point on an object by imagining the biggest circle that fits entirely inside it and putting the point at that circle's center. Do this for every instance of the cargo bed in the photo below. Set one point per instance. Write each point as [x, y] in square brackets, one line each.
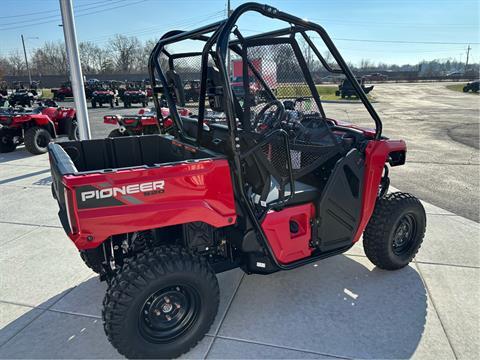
[97, 182]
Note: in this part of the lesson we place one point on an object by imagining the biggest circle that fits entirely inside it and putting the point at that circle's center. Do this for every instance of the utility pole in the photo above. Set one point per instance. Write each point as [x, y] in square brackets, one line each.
[26, 62]
[468, 53]
[75, 68]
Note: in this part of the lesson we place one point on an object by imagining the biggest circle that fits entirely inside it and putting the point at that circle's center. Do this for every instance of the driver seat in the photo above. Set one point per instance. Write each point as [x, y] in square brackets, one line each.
[303, 193]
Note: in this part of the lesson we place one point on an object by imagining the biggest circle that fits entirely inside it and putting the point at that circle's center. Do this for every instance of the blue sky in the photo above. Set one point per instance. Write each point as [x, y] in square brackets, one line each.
[454, 22]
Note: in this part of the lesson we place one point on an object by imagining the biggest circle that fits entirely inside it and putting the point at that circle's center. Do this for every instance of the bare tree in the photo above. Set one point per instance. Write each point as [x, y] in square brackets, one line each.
[366, 64]
[17, 62]
[125, 52]
[50, 59]
[144, 54]
[88, 56]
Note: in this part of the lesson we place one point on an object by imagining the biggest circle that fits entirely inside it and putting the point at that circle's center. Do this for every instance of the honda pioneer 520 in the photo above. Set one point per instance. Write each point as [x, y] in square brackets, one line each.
[275, 186]
[36, 127]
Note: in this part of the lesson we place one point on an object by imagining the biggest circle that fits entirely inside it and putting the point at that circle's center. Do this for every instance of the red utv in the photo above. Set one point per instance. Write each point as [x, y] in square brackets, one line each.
[276, 186]
[36, 128]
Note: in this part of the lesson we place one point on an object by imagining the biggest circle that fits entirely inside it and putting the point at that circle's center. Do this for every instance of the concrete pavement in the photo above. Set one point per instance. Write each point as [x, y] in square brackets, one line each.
[342, 307]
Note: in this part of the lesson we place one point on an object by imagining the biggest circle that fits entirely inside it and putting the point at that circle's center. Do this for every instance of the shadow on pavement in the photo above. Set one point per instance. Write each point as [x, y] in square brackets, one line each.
[14, 155]
[342, 306]
[337, 307]
[45, 181]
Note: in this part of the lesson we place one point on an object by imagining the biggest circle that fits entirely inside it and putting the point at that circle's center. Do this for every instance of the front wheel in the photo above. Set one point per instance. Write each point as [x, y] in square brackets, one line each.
[7, 143]
[160, 304]
[37, 140]
[395, 231]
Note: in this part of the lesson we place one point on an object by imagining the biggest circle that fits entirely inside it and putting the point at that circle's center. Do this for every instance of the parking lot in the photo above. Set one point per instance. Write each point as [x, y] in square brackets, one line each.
[440, 126]
[342, 307]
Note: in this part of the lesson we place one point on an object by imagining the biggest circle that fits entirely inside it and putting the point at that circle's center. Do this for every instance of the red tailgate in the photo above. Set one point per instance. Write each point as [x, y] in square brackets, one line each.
[131, 200]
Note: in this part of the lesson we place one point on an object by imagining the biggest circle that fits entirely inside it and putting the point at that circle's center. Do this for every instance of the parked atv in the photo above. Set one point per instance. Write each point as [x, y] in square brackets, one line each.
[472, 86]
[134, 96]
[276, 186]
[192, 90]
[129, 125]
[63, 92]
[36, 127]
[22, 97]
[3, 100]
[104, 96]
[346, 88]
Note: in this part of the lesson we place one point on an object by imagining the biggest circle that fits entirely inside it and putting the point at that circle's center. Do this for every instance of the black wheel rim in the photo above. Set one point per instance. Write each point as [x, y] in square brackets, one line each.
[168, 313]
[404, 235]
[42, 140]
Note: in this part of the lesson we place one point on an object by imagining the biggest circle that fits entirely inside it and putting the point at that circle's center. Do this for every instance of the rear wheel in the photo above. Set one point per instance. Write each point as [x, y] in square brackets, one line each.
[395, 231]
[74, 132]
[7, 144]
[93, 258]
[37, 140]
[94, 104]
[116, 133]
[160, 303]
[112, 104]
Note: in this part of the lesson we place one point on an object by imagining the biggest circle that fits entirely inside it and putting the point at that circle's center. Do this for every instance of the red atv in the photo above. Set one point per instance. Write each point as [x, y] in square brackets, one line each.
[36, 128]
[276, 186]
[63, 92]
[144, 123]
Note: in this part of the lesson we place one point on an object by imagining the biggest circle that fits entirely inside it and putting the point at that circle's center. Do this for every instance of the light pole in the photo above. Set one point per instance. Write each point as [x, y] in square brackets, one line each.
[26, 59]
[75, 68]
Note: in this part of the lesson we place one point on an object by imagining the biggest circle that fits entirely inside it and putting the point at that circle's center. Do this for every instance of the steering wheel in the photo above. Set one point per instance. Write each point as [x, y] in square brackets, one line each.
[277, 116]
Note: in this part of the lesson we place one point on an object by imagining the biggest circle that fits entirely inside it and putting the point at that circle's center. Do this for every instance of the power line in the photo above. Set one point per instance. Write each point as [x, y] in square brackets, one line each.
[145, 31]
[438, 24]
[388, 41]
[76, 16]
[406, 42]
[49, 11]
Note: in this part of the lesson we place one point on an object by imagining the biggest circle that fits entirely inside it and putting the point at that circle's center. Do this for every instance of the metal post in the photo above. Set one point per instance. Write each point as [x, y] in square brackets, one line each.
[26, 62]
[229, 12]
[466, 62]
[75, 68]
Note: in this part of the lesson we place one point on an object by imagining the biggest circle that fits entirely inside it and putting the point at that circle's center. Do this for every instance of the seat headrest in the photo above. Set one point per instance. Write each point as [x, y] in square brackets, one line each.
[175, 86]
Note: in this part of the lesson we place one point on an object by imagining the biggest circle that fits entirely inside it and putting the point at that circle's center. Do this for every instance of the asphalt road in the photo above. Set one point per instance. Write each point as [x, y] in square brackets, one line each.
[440, 126]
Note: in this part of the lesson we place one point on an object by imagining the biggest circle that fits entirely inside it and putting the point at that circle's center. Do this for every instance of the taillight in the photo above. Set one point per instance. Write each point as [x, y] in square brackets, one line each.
[108, 119]
[167, 122]
[72, 221]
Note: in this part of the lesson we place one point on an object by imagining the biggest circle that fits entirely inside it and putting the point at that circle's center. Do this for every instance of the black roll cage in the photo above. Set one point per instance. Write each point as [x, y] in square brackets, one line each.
[220, 36]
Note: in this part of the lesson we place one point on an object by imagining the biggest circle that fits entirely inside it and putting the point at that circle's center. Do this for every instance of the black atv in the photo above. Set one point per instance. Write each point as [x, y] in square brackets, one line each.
[472, 86]
[346, 89]
[22, 97]
[192, 90]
